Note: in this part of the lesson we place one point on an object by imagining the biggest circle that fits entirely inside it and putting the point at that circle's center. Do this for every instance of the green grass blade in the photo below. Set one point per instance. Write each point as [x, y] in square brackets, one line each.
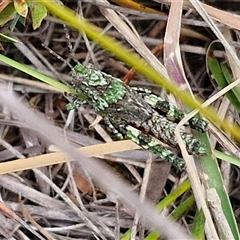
[229, 79]
[214, 180]
[171, 198]
[228, 158]
[6, 38]
[35, 74]
[222, 77]
[184, 207]
[198, 226]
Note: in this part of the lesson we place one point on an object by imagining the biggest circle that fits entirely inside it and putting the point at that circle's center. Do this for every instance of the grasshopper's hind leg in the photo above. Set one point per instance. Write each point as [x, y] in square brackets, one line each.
[149, 143]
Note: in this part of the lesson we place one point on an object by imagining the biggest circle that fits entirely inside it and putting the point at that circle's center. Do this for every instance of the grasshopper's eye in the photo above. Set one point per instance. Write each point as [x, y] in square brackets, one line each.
[88, 76]
[96, 78]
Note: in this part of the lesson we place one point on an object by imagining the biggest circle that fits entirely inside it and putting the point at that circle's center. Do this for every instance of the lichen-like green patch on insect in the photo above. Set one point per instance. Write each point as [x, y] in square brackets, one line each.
[136, 114]
[154, 146]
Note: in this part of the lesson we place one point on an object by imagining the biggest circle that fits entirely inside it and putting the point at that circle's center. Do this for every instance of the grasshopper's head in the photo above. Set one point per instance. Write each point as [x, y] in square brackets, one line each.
[88, 77]
[91, 83]
[99, 88]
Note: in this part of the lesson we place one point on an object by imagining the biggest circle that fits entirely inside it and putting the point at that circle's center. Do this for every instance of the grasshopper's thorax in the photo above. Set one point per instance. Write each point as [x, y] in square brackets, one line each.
[101, 89]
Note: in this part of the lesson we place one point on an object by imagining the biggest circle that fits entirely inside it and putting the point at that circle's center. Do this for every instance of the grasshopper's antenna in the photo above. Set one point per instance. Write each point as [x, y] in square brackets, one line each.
[70, 47]
[72, 56]
[57, 56]
[69, 44]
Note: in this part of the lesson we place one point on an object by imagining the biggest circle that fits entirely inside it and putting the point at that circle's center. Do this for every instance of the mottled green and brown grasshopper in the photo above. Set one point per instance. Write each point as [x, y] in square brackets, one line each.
[136, 114]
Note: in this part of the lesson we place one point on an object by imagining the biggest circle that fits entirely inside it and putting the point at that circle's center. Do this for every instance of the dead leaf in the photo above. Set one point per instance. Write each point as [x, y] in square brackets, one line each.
[82, 183]
[4, 3]
[21, 7]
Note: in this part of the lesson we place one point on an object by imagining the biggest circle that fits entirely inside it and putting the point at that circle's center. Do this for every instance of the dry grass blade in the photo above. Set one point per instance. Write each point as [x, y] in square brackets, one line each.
[224, 17]
[215, 202]
[172, 54]
[13, 216]
[216, 30]
[174, 66]
[133, 38]
[59, 157]
[142, 195]
[89, 222]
